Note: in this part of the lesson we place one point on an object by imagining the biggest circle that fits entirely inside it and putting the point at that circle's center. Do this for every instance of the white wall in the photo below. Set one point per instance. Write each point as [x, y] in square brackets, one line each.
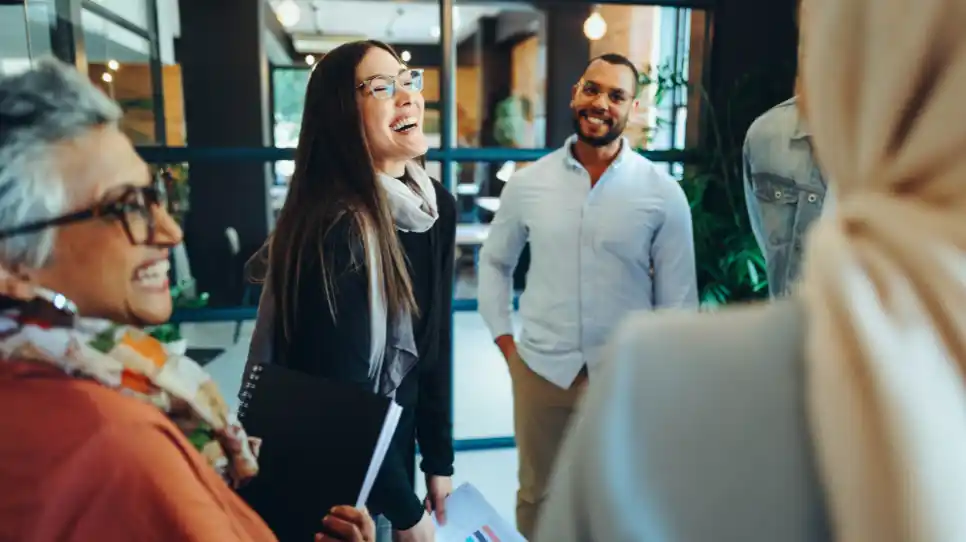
[134, 11]
[169, 27]
[95, 24]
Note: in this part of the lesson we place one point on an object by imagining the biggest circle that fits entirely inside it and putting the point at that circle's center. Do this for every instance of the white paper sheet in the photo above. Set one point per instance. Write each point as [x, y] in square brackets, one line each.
[379, 454]
[470, 518]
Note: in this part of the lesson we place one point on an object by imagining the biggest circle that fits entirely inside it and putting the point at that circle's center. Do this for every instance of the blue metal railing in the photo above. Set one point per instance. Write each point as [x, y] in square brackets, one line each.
[484, 443]
[214, 314]
[171, 155]
[248, 313]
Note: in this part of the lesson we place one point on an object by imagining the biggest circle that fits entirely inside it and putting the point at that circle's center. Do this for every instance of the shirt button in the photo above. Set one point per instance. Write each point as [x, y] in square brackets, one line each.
[812, 198]
[778, 194]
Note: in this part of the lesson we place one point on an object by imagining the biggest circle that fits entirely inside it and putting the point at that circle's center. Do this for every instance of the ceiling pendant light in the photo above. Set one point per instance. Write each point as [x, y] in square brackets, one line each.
[288, 13]
[595, 26]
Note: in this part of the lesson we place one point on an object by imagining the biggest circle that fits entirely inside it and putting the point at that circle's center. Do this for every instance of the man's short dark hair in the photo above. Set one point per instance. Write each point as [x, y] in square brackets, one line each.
[618, 59]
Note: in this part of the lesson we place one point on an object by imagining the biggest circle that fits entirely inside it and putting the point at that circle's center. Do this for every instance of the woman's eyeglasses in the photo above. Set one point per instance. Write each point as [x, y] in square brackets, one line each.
[134, 206]
[383, 87]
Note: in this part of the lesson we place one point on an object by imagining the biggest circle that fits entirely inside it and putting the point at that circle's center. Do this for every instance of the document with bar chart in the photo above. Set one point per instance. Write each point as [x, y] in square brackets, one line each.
[469, 518]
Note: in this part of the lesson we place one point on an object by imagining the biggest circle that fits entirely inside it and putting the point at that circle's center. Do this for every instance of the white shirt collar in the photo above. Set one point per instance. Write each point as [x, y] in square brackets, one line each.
[574, 164]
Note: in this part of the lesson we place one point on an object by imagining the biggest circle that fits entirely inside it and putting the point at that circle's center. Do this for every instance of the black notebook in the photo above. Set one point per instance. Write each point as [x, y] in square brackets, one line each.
[323, 443]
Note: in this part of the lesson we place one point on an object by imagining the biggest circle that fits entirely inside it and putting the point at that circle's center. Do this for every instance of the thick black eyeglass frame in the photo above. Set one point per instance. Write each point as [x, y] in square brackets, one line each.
[415, 73]
[117, 208]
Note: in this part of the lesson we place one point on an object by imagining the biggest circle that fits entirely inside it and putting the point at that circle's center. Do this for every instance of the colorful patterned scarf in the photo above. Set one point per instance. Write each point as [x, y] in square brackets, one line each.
[131, 361]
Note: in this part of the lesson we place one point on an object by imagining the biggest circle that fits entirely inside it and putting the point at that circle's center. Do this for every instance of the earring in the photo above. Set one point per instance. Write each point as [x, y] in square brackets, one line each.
[50, 307]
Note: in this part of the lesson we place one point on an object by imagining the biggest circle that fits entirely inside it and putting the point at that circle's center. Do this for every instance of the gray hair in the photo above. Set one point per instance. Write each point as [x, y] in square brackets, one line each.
[39, 108]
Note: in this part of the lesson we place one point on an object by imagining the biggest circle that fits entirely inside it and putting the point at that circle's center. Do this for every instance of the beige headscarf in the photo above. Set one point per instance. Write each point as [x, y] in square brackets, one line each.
[885, 278]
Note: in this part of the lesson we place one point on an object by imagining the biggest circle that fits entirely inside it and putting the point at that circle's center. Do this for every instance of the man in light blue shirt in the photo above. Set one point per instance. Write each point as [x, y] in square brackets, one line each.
[609, 233]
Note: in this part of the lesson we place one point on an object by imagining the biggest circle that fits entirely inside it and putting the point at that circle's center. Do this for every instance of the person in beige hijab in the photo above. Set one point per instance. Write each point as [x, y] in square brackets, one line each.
[838, 413]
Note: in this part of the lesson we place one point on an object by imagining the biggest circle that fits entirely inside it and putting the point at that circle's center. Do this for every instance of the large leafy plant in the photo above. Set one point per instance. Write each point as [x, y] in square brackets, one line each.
[730, 265]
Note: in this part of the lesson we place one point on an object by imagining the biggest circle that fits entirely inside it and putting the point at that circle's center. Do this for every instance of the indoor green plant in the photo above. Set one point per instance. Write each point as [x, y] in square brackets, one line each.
[730, 265]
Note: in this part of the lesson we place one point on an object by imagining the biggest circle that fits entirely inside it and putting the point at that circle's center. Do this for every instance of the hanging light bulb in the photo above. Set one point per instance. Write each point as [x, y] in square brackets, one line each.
[595, 26]
[310, 59]
[288, 13]
[406, 56]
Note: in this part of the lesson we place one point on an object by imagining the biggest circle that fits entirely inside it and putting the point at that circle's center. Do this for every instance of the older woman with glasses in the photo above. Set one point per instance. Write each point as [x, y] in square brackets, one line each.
[360, 271]
[103, 434]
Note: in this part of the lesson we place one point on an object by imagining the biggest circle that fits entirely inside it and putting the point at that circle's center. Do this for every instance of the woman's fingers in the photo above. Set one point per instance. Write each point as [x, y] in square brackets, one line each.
[348, 524]
[339, 529]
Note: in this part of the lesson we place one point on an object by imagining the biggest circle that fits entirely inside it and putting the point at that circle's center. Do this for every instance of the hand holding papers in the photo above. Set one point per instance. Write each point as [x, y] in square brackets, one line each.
[469, 518]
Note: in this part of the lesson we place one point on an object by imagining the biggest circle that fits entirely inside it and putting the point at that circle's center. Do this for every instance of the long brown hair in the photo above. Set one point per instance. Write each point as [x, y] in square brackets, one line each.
[334, 180]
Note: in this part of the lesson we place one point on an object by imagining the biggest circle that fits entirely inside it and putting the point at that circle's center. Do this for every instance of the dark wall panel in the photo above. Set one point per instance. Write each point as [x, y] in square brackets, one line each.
[754, 47]
[567, 54]
[225, 78]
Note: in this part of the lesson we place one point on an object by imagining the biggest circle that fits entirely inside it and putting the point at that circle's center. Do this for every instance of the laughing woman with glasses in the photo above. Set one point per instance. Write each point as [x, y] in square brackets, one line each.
[103, 434]
[360, 271]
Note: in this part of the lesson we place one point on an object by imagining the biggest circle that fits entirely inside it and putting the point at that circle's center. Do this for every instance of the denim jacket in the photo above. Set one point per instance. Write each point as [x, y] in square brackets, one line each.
[784, 191]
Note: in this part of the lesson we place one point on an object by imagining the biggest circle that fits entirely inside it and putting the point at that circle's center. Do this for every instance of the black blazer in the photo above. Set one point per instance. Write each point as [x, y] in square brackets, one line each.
[339, 349]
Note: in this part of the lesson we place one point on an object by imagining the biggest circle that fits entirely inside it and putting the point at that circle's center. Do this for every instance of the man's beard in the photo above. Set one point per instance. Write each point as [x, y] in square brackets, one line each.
[614, 131]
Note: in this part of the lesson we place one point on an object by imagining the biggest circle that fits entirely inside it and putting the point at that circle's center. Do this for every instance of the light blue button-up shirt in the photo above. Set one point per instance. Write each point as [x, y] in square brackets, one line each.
[596, 254]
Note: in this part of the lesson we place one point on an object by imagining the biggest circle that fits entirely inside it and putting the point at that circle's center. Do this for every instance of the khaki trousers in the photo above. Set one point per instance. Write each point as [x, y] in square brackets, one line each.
[541, 414]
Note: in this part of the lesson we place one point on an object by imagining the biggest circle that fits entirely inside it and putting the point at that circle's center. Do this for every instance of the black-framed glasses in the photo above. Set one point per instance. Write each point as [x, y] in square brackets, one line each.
[383, 87]
[134, 206]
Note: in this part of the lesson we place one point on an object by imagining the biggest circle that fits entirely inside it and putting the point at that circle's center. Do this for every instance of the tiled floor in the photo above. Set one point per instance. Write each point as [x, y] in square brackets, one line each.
[482, 399]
